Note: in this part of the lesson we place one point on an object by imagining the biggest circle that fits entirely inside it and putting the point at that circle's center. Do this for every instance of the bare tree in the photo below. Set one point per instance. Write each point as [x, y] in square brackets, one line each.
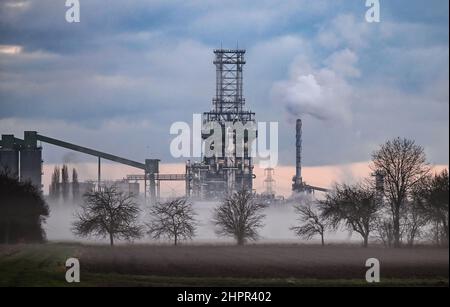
[311, 222]
[174, 219]
[65, 182]
[239, 216]
[384, 231]
[355, 206]
[435, 234]
[108, 213]
[438, 203]
[413, 224]
[432, 199]
[403, 164]
[54, 189]
[75, 186]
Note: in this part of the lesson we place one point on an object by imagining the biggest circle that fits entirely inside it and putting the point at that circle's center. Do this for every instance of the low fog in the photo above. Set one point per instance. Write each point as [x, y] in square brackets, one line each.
[279, 218]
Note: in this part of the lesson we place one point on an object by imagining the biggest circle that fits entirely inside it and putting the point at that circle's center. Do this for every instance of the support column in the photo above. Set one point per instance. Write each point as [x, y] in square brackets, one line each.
[99, 175]
[152, 185]
[158, 190]
[145, 187]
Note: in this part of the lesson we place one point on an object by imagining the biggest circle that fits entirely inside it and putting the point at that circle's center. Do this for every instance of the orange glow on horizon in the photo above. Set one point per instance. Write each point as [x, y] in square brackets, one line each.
[321, 176]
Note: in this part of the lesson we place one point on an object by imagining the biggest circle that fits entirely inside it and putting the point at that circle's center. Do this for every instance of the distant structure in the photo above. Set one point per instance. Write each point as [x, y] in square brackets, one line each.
[229, 168]
[269, 182]
[379, 185]
[22, 158]
[297, 180]
[226, 172]
[298, 185]
[123, 185]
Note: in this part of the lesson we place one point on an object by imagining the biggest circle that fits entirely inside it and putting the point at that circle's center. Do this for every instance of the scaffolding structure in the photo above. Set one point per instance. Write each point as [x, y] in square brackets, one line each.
[229, 169]
[225, 171]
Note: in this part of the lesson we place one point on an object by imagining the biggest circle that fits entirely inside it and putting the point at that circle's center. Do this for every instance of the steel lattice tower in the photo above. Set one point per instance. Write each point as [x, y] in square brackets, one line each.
[225, 172]
[228, 104]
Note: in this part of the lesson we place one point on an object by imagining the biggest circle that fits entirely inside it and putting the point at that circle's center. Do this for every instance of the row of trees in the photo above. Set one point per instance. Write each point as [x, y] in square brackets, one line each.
[114, 214]
[61, 186]
[352, 207]
[356, 208]
[410, 203]
[405, 203]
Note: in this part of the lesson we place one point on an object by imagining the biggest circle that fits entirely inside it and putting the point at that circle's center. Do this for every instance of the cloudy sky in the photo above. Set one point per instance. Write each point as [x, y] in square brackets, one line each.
[117, 80]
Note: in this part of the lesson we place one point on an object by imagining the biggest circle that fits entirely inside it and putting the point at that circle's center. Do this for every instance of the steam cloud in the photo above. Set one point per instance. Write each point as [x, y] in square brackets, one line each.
[322, 93]
[70, 157]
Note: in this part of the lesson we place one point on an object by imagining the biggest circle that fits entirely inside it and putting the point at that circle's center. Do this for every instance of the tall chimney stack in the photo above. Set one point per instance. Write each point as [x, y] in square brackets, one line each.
[297, 181]
[298, 152]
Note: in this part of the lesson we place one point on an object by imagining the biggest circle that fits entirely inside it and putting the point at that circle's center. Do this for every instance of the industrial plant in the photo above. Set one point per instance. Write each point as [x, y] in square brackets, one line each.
[210, 178]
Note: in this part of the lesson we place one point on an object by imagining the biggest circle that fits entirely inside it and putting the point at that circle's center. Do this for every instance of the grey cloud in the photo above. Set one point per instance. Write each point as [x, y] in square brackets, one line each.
[119, 79]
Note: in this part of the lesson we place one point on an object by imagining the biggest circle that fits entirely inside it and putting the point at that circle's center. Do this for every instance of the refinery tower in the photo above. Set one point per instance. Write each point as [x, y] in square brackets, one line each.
[229, 169]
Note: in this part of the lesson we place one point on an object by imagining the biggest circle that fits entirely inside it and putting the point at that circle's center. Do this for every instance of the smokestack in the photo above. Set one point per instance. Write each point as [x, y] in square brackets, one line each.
[298, 154]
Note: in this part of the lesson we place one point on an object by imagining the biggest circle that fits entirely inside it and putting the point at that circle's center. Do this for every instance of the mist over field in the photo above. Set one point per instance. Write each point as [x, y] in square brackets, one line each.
[278, 220]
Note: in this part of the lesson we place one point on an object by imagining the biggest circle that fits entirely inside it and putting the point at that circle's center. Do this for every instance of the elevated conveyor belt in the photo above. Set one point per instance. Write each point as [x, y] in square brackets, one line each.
[89, 151]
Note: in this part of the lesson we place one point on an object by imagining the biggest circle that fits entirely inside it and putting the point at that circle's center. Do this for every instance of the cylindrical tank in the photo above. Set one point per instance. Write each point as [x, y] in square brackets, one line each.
[31, 166]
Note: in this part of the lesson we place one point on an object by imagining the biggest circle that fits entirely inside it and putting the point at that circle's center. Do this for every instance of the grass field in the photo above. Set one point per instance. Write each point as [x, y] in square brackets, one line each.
[222, 265]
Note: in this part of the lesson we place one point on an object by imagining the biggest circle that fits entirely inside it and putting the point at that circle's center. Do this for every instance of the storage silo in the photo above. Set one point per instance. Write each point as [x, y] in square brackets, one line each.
[31, 166]
[9, 156]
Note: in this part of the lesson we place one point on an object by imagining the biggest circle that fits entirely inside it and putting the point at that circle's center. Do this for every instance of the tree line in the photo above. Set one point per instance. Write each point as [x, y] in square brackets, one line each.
[111, 213]
[409, 204]
[405, 203]
[61, 187]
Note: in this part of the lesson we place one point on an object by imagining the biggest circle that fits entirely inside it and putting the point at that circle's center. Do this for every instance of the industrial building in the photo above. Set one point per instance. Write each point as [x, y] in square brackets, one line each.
[216, 175]
[122, 185]
[225, 171]
[22, 158]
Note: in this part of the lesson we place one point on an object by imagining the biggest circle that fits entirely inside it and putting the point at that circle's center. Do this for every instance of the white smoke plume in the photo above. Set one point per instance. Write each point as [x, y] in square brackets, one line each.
[323, 93]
